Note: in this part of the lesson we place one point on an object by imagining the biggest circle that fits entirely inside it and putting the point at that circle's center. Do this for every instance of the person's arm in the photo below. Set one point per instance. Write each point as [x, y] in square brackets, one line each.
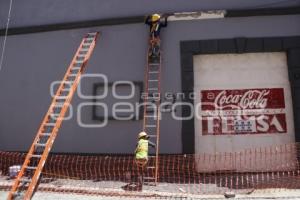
[164, 21]
[136, 148]
[147, 20]
[151, 144]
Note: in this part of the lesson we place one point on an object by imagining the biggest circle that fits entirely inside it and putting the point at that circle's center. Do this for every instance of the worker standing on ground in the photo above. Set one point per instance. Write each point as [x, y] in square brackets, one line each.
[141, 160]
[156, 22]
[141, 151]
[141, 156]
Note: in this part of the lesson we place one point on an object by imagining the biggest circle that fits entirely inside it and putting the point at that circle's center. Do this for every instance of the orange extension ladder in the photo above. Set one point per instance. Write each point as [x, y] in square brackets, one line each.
[28, 178]
[152, 100]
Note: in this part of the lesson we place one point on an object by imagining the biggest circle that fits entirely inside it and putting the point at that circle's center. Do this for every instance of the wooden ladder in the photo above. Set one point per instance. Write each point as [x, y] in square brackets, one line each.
[28, 178]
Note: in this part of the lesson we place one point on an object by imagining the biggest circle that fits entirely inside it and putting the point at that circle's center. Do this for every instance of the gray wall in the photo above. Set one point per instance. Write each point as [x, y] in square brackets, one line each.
[32, 61]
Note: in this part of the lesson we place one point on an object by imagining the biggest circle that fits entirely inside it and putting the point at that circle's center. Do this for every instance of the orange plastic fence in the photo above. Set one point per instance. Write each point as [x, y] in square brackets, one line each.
[267, 167]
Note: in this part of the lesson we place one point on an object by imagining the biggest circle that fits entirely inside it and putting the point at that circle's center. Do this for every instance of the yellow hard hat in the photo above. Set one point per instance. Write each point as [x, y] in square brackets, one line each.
[155, 17]
[142, 134]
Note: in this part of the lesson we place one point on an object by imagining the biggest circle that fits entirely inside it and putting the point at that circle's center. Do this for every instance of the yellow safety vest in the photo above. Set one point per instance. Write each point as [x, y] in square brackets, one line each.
[154, 27]
[141, 151]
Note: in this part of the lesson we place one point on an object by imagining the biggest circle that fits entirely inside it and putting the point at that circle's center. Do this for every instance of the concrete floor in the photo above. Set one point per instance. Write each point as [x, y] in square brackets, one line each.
[283, 195]
[162, 191]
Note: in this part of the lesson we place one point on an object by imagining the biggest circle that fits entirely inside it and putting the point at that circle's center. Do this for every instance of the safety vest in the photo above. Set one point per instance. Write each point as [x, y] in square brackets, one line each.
[154, 27]
[142, 149]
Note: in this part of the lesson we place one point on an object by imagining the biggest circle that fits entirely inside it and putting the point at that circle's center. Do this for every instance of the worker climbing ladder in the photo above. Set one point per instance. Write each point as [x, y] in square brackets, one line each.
[152, 101]
[28, 178]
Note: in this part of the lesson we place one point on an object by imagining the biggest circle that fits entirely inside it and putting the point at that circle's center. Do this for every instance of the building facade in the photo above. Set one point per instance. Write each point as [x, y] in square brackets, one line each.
[44, 36]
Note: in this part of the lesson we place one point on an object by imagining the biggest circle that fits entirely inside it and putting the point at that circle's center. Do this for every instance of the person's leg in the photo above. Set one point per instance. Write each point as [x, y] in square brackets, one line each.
[141, 166]
[140, 172]
[132, 177]
[156, 51]
[140, 178]
[152, 55]
[152, 32]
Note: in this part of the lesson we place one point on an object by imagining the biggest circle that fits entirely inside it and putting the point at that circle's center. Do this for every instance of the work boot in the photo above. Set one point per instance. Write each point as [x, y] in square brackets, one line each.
[129, 187]
[133, 187]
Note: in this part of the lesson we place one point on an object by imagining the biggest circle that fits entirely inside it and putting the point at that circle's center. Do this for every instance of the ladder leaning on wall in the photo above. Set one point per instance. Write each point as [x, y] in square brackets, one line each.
[28, 178]
[152, 100]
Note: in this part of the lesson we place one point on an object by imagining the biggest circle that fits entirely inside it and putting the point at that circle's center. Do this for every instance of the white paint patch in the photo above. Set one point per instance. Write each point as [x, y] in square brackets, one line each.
[197, 15]
[241, 72]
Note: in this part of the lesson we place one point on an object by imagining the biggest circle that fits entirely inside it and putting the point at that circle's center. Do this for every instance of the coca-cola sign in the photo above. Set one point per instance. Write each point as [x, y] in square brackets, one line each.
[243, 111]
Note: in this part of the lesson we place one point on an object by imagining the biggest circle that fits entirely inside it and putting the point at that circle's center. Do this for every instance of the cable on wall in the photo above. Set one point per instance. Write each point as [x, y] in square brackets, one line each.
[6, 33]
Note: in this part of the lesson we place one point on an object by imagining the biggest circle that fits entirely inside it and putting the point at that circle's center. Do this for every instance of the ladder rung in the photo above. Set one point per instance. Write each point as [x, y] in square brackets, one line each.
[92, 34]
[50, 124]
[35, 156]
[25, 180]
[61, 97]
[40, 145]
[82, 52]
[75, 68]
[58, 105]
[154, 64]
[152, 80]
[68, 82]
[152, 135]
[150, 167]
[150, 115]
[80, 57]
[88, 40]
[152, 89]
[54, 116]
[31, 167]
[45, 134]
[79, 61]
[153, 72]
[73, 75]
[152, 100]
[65, 89]
[151, 126]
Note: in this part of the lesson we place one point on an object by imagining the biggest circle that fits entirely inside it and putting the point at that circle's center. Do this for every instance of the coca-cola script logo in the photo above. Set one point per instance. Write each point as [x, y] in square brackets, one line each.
[252, 99]
[242, 99]
[246, 111]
